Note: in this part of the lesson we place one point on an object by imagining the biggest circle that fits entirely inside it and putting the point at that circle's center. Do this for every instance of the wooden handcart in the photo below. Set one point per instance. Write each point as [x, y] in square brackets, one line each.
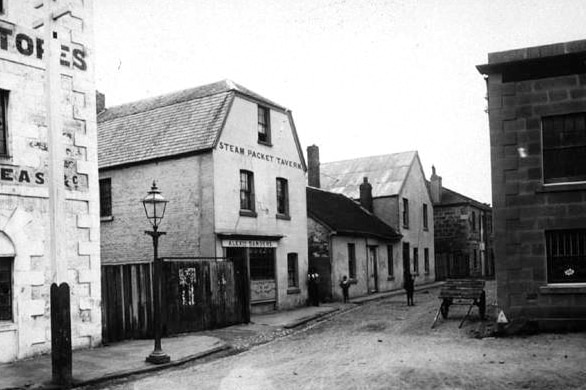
[461, 292]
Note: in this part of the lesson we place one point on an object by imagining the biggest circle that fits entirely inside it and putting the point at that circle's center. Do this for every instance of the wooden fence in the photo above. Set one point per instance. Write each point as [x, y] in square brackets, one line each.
[198, 294]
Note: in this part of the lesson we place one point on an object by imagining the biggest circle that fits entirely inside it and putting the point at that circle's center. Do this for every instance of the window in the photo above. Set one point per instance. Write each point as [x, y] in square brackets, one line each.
[282, 196]
[390, 261]
[105, 198]
[262, 263]
[566, 256]
[425, 220]
[564, 148]
[473, 221]
[426, 261]
[5, 288]
[416, 260]
[292, 274]
[405, 213]
[3, 118]
[2, 6]
[246, 191]
[351, 261]
[264, 125]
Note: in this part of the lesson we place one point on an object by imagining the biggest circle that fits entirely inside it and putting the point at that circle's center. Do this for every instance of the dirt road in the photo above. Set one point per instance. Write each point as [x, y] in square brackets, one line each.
[388, 345]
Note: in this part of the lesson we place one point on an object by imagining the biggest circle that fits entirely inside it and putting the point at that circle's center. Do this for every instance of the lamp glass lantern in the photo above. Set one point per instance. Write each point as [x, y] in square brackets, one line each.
[154, 206]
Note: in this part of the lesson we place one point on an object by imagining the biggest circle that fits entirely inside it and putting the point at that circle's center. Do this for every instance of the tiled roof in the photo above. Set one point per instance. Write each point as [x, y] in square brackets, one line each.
[345, 216]
[176, 123]
[385, 173]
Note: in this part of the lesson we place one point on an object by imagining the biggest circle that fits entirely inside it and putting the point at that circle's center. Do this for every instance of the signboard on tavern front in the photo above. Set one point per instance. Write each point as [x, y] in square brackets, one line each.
[248, 244]
[230, 148]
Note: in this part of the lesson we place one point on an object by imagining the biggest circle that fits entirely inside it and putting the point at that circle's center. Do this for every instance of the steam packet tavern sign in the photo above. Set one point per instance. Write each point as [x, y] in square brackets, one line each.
[248, 244]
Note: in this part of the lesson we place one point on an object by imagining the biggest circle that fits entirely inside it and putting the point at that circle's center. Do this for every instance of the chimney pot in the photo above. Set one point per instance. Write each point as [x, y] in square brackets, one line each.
[366, 195]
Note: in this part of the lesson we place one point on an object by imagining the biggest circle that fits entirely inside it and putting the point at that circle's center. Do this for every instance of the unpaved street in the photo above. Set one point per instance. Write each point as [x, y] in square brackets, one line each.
[387, 345]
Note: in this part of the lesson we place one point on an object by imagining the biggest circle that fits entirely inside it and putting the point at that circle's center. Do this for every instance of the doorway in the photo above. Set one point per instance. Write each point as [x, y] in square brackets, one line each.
[373, 269]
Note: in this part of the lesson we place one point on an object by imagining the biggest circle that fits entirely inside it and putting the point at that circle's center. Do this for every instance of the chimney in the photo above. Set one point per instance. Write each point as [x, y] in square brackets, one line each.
[435, 186]
[313, 166]
[100, 102]
[366, 195]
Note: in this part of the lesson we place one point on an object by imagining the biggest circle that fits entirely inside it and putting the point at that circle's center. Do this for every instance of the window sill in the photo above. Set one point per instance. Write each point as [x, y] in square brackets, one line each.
[573, 288]
[293, 290]
[106, 219]
[248, 213]
[390, 278]
[353, 281]
[405, 226]
[284, 217]
[265, 143]
[425, 229]
[7, 326]
[577, 186]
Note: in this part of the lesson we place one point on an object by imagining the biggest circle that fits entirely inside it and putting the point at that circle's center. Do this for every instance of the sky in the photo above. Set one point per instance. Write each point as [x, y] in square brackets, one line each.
[362, 77]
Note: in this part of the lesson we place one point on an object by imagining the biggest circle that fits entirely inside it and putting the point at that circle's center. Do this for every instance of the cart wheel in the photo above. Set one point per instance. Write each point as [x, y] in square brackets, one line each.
[482, 306]
[445, 308]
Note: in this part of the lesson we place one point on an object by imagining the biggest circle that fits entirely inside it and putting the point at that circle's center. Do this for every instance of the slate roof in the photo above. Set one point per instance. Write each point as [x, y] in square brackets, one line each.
[450, 198]
[344, 216]
[385, 173]
[172, 124]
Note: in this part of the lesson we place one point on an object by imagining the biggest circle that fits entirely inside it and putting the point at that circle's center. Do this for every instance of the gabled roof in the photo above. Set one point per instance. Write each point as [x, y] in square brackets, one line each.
[344, 216]
[385, 173]
[451, 198]
[173, 124]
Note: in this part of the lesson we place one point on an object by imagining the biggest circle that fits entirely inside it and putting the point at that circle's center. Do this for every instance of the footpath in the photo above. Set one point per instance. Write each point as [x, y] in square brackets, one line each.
[122, 359]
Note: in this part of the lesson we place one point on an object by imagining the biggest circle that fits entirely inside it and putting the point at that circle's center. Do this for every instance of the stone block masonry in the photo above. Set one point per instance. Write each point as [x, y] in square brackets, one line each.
[524, 86]
[24, 206]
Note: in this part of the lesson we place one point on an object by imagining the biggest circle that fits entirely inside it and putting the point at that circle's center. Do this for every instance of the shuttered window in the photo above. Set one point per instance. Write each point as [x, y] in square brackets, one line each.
[564, 148]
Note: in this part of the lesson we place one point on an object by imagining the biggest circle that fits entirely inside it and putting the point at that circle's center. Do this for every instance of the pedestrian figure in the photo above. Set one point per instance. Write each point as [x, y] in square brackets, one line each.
[409, 285]
[313, 287]
[345, 284]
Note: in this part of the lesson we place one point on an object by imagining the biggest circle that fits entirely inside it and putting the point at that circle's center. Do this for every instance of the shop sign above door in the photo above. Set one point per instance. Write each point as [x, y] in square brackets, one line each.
[248, 244]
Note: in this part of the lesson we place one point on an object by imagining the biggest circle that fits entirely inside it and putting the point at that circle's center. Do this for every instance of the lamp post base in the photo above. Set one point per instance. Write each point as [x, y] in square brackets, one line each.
[158, 357]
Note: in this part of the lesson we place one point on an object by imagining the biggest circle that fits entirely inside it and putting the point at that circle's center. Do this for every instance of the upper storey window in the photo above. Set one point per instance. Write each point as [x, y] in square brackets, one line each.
[264, 125]
[3, 124]
[564, 148]
[2, 6]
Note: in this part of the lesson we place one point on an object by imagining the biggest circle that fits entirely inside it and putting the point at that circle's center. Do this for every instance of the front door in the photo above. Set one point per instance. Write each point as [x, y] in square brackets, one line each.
[372, 269]
[406, 260]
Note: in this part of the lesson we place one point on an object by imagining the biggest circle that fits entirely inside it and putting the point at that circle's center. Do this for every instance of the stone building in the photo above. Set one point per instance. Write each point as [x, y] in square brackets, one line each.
[400, 198]
[463, 233]
[27, 268]
[537, 120]
[230, 164]
[346, 239]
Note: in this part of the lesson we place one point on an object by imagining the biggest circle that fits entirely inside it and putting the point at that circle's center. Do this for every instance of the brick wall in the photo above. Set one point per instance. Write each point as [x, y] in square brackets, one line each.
[523, 207]
[187, 184]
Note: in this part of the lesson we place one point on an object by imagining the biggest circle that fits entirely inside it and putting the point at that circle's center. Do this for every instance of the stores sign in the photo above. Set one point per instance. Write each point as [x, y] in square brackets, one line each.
[248, 244]
[15, 41]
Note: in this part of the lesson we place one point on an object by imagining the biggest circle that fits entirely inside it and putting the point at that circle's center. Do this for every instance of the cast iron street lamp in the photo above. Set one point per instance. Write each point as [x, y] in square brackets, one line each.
[154, 206]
